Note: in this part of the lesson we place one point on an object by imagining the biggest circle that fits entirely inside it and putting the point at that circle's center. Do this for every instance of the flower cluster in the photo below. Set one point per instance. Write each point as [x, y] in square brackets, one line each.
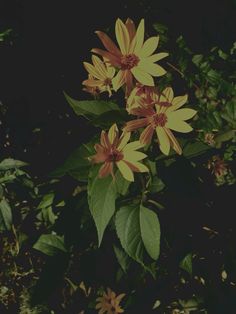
[109, 303]
[133, 64]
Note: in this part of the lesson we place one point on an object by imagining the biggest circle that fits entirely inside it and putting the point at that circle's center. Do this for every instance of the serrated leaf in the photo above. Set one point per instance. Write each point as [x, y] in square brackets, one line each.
[150, 231]
[50, 244]
[10, 163]
[129, 233]
[187, 264]
[5, 216]
[90, 107]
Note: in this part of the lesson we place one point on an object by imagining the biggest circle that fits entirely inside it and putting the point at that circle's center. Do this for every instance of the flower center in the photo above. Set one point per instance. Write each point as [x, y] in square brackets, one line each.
[159, 119]
[107, 82]
[114, 155]
[129, 61]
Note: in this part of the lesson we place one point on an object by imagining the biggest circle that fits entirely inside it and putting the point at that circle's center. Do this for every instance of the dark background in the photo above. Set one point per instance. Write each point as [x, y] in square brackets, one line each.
[44, 55]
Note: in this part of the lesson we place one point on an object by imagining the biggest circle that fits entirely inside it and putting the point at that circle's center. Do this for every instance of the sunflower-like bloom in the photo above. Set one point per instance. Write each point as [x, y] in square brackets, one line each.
[109, 303]
[101, 75]
[115, 150]
[134, 57]
[162, 116]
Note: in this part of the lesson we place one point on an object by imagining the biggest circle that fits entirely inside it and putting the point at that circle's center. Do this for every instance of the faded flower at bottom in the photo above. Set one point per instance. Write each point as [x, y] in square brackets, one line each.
[109, 303]
[114, 150]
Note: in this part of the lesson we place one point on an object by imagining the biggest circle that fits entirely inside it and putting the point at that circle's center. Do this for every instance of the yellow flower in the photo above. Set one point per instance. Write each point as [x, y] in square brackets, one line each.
[93, 90]
[109, 303]
[101, 75]
[162, 116]
[115, 150]
[134, 57]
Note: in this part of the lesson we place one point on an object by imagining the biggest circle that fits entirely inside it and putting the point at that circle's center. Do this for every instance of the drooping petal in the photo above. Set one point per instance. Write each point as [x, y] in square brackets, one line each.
[108, 43]
[105, 169]
[133, 155]
[139, 37]
[178, 125]
[146, 135]
[125, 170]
[156, 57]
[113, 60]
[178, 102]
[133, 146]
[163, 140]
[118, 80]
[122, 36]
[151, 68]
[131, 28]
[142, 77]
[174, 142]
[113, 133]
[149, 46]
[125, 137]
[92, 70]
[136, 124]
[182, 114]
[138, 166]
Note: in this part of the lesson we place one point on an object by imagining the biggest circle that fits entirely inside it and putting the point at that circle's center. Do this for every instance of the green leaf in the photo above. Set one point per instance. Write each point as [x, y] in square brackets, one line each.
[186, 263]
[90, 107]
[129, 233]
[106, 119]
[195, 149]
[197, 59]
[122, 257]
[5, 216]
[102, 193]
[10, 163]
[122, 185]
[150, 231]
[50, 244]
[46, 201]
[224, 137]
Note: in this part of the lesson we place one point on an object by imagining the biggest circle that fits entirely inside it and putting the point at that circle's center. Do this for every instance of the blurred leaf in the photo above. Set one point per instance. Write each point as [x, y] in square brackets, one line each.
[150, 231]
[10, 163]
[187, 264]
[197, 59]
[5, 216]
[191, 150]
[224, 137]
[90, 107]
[106, 119]
[46, 201]
[50, 244]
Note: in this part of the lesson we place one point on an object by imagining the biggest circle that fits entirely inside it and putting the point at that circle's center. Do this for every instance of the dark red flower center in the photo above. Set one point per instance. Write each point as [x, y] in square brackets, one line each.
[159, 119]
[114, 155]
[129, 61]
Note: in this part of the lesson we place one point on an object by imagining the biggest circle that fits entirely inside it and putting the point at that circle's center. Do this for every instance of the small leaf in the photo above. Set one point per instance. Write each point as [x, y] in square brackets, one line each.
[123, 258]
[90, 107]
[186, 264]
[46, 201]
[150, 231]
[10, 163]
[5, 216]
[50, 244]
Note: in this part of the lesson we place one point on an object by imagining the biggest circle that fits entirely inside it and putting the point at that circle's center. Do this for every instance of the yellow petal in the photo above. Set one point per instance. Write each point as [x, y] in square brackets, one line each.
[110, 72]
[92, 83]
[134, 156]
[174, 142]
[141, 167]
[125, 137]
[167, 95]
[182, 114]
[149, 47]
[178, 125]
[133, 146]
[142, 77]
[118, 80]
[122, 36]
[126, 172]
[163, 140]
[112, 133]
[178, 102]
[156, 57]
[99, 65]
[92, 70]
[151, 68]
[139, 36]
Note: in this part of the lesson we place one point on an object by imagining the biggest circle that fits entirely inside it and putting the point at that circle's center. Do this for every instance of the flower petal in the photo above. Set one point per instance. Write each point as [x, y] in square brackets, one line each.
[156, 57]
[142, 77]
[92, 83]
[139, 37]
[122, 36]
[178, 125]
[113, 133]
[113, 60]
[105, 169]
[146, 135]
[92, 70]
[133, 146]
[163, 139]
[174, 142]
[99, 65]
[149, 46]
[139, 166]
[118, 80]
[135, 124]
[108, 43]
[131, 28]
[125, 170]
[151, 68]
[178, 102]
[125, 137]
[182, 114]
[134, 155]
[167, 95]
